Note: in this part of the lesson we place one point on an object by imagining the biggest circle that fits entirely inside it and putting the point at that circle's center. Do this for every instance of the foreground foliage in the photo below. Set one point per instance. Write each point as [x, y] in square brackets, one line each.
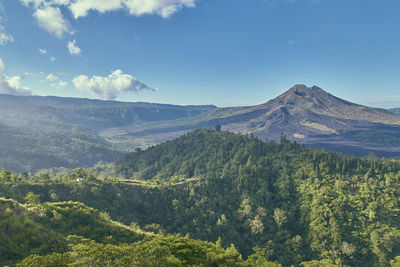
[159, 251]
[42, 228]
[44, 231]
[296, 206]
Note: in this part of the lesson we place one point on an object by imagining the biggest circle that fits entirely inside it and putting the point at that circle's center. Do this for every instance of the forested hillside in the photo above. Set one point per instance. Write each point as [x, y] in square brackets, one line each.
[52, 112]
[72, 234]
[42, 228]
[45, 132]
[29, 150]
[294, 203]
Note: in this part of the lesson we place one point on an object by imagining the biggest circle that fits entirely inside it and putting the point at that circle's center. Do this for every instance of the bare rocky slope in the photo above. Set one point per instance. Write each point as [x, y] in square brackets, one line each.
[308, 115]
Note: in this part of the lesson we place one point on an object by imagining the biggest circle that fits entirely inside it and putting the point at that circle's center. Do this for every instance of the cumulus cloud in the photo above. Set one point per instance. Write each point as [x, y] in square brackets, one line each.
[62, 84]
[164, 8]
[80, 8]
[4, 37]
[50, 19]
[45, 3]
[44, 52]
[11, 85]
[59, 84]
[56, 82]
[73, 49]
[51, 77]
[109, 87]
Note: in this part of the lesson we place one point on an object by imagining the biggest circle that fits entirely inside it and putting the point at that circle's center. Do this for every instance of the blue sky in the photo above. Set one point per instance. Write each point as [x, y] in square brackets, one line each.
[222, 52]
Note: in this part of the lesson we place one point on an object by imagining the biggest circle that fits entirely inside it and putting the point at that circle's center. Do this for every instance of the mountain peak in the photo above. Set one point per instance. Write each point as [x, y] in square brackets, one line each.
[300, 93]
[302, 88]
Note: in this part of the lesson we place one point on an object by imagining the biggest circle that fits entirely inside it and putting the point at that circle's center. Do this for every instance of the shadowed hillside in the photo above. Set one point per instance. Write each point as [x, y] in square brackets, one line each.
[43, 132]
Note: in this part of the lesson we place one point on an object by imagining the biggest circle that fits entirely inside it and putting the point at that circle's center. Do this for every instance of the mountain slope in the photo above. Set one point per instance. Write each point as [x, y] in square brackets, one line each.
[42, 228]
[59, 112]
[308, 115]
[395, 110]
[44, 132]
[29, 150]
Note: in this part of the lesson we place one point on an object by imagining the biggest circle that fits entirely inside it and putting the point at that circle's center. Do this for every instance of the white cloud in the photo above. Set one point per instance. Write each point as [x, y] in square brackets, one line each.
[59, 84]
[45, 3]
[51, 77]
[52, 59]
[42, 51]
[55, 81]
[109, 87]
[4, 37]
[73, 49]
[62, 84]
[36, 3]
[50, 19]
[11, 85]
[80, 8]
[164, 8]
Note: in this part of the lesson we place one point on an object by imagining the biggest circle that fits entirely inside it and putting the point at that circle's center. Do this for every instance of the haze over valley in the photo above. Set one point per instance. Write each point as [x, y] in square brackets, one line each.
[73, 132]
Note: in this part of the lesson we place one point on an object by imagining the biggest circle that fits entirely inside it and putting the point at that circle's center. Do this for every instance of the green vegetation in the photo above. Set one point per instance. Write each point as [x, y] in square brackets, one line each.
[29, 150]
[158, 251]
[274, 202]
[42, 228]
[47, 132]
[71, 234]
[376, 137]
[60, 113]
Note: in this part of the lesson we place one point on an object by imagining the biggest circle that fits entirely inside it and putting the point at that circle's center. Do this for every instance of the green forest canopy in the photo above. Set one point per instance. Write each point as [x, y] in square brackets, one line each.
[295, 204]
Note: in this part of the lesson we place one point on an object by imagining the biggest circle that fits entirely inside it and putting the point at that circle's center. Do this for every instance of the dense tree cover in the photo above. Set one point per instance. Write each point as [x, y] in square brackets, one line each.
[42, 228]
[47, 231]
[158, 251]
[295, 205]
[29, 150]
[21, 235]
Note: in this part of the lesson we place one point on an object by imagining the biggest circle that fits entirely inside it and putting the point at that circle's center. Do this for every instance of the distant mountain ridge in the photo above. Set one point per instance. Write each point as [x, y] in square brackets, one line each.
[44, 132]
[308, 115]
[303, 111]
[56, 112]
